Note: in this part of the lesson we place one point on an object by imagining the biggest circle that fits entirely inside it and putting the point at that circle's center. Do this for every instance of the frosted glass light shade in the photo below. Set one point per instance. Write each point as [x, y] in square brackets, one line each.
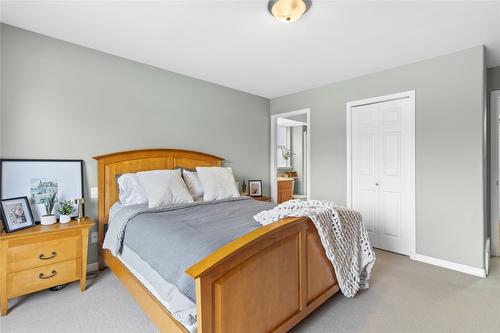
[288, 10]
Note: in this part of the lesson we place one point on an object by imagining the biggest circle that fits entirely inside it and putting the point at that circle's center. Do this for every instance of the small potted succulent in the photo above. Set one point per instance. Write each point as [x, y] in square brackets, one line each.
[49, 202]
[244, 187]
[65, 210]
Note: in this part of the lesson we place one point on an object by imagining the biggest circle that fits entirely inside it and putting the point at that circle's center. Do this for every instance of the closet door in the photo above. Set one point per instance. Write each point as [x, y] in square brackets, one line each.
[381, 172]
[365, 167]
[394, 176]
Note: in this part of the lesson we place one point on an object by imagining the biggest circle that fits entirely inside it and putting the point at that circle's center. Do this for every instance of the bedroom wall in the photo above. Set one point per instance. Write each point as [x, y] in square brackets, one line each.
[449, 147]
[494, 78]
[61, 100]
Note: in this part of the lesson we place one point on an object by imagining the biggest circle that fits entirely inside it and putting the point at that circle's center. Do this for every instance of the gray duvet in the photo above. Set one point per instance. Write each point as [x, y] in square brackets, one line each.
[172, 239]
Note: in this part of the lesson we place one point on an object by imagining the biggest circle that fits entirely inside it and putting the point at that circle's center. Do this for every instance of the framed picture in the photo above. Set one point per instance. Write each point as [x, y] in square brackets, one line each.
[16, 214]
[255, 188]
[37, 179]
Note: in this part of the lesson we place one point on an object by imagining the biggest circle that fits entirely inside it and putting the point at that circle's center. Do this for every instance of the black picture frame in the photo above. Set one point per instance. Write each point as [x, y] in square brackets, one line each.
[27, 213]
[15, 160]
[258, 183]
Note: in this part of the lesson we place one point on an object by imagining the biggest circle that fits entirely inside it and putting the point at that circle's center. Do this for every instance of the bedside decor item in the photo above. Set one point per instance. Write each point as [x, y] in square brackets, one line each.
[16, 214]
[286, 154]
[255, 188]
[49, 202]
[263, 198]
[65, 210]
[43, 257]
[38, 179]
[81, 209]
[244, 186]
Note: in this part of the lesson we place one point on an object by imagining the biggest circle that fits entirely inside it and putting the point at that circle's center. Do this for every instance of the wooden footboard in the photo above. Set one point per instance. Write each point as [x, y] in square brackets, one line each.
[266, 281]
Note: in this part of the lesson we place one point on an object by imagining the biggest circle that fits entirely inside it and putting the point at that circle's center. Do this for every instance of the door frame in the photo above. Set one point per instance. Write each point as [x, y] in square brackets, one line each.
[495, 156]
[386, 98]
[274, 117]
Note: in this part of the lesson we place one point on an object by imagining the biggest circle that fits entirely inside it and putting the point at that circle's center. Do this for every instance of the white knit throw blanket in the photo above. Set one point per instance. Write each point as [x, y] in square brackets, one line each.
[342, 234]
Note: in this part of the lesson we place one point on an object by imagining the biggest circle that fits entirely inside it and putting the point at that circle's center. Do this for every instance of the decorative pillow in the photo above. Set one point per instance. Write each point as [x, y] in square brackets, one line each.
[218, 183]
[130, 190]
[164, 187]
[193, 183]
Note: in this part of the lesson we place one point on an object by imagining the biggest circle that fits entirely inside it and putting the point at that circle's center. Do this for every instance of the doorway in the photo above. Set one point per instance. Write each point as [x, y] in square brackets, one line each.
[290, 156]
[381, 169]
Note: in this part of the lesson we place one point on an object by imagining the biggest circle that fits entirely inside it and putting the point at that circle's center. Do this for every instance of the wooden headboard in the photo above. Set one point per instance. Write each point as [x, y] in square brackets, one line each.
[113, 165]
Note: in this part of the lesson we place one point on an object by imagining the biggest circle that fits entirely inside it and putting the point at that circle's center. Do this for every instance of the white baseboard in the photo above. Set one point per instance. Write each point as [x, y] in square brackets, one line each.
[93, 267]
[450, 265]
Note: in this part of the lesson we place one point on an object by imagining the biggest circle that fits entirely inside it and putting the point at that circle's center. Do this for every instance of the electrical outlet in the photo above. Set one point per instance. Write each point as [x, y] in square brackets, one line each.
[93, 237]
[94, 193]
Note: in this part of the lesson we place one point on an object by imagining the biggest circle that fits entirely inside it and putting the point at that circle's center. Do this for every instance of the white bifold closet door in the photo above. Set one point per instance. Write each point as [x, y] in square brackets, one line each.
[381, 172]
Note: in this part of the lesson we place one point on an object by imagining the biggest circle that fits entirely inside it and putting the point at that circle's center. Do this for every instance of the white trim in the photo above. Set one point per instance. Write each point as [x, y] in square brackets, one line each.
[495, 156]
[379, 99]
[451, 265]
[487, 252]
[274, 118]
[92, 267]
[284, 122]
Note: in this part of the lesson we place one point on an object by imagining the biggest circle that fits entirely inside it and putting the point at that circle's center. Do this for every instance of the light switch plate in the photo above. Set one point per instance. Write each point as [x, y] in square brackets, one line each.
[94, 193]
[93, 237]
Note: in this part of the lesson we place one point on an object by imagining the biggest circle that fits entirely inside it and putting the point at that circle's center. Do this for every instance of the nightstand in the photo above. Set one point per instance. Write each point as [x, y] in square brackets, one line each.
[263, 198]
[41, 257]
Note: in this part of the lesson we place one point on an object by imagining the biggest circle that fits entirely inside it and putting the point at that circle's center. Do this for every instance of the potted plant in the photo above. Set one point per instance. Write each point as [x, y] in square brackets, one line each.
[65, 210]
[49, 203]
[244, 187]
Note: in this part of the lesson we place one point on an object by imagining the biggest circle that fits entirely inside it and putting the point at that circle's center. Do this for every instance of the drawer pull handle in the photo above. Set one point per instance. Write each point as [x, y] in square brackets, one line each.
[43, 277]
[43, 257]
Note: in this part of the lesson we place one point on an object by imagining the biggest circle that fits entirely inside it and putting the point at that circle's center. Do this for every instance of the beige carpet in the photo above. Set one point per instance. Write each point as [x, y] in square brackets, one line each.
[405, 296]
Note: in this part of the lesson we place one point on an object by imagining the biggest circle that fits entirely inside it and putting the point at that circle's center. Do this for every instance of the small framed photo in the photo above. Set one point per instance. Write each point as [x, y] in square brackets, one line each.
[255, 188]
[16, 214]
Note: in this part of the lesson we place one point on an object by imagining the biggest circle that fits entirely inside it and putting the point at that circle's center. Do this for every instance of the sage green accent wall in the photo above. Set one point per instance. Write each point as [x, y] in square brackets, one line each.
[494, 78]
[61, 100]
[449, 147]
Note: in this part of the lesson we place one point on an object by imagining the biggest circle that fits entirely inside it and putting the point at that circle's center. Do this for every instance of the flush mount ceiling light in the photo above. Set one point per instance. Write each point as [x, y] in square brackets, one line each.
[288, 10]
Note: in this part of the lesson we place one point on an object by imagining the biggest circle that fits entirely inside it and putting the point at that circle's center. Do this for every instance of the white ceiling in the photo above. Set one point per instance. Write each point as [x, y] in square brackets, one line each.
[239, 45]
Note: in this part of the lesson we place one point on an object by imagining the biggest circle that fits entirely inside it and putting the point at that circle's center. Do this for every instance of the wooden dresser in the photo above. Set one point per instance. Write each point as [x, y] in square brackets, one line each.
[42, 257]
[285, 189]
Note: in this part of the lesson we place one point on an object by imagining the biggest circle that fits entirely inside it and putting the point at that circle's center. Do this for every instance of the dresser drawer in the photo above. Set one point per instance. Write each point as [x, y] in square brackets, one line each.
[43, 251]
[31, 280]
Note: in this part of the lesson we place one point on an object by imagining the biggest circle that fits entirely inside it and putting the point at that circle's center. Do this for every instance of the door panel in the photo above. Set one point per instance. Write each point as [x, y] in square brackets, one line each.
[392, 154]
[367, 201]
[381, 171]
[390, 214]
[367, 154]
[365, 167]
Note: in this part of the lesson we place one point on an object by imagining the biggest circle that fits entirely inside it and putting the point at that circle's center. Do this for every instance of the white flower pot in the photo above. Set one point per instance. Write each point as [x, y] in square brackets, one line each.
[48, 219]
[64, 218]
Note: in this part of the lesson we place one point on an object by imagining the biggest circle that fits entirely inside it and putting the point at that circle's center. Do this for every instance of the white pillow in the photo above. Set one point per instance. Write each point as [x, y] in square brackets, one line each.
[130, 191]
[218, 183]
[164, 187]
[193, 183]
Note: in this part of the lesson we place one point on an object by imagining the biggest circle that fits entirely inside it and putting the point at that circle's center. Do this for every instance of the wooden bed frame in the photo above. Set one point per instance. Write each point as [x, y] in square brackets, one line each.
[266, 281]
